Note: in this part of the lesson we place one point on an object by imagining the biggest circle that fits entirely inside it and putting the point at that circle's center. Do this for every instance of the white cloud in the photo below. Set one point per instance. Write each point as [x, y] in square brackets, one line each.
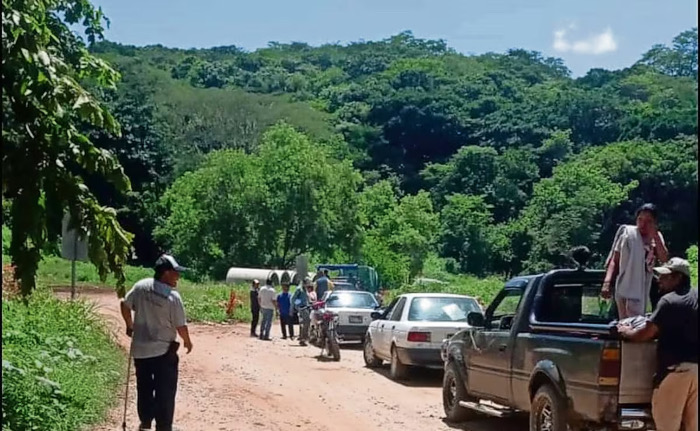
[594, 45]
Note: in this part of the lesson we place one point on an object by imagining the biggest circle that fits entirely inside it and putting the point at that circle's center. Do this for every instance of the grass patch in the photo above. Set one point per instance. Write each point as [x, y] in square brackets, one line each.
[60, 366]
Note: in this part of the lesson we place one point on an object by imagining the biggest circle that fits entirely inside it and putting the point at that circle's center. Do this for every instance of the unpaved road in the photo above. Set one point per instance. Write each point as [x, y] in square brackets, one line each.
[233, 382]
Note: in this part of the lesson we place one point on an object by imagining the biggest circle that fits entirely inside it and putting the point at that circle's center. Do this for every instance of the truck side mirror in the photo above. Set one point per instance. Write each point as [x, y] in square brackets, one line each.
[476, 319]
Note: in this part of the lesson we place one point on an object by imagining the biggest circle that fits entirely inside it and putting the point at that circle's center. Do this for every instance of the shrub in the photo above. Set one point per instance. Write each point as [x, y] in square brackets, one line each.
[60, 367]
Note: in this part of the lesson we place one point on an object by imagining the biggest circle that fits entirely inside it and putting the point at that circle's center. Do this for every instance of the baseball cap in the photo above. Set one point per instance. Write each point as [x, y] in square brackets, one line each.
[166, 262]
[675, 264]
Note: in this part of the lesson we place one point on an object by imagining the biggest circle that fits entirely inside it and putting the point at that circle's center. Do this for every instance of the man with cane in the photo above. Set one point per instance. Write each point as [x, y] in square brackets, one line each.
[158, 317]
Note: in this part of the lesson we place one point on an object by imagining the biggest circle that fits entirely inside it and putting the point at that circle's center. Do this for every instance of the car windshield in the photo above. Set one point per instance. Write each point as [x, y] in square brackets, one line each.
[441, 309]
[352, 300]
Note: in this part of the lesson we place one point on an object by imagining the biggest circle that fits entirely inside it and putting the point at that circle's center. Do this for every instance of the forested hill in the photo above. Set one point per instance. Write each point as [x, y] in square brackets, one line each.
[496, 163]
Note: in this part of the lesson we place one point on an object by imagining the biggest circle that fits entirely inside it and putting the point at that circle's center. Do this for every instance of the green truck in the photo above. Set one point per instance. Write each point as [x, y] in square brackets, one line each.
[361, 276]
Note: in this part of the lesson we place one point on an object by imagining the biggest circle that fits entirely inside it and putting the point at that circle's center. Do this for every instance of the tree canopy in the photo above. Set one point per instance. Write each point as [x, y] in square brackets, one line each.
[389, 153]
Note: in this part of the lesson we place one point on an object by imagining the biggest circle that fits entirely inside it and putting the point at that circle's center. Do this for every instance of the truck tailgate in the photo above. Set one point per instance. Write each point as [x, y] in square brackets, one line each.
[638, 362]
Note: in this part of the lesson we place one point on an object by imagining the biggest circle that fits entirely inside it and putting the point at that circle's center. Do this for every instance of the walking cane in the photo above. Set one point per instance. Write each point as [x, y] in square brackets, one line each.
[126, 393]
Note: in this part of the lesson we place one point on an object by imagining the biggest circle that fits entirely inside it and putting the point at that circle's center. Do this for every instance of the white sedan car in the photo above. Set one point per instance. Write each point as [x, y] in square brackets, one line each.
[354, 308]
[409, 332]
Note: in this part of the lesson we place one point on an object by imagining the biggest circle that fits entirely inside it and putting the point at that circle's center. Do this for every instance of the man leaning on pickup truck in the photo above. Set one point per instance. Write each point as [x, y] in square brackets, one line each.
[675, 323]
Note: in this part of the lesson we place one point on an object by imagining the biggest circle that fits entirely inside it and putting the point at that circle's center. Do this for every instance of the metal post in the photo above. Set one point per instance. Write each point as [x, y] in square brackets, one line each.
[72, 267]
[72, 279]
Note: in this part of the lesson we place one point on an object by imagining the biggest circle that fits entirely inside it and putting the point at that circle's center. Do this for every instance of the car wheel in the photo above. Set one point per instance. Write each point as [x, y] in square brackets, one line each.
[371, 360]
[397, 371]
[453, 391]
[548, 411]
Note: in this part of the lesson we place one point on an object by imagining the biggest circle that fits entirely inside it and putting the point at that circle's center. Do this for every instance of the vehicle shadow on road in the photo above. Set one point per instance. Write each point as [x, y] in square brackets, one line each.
[417, 377]
[517, 423]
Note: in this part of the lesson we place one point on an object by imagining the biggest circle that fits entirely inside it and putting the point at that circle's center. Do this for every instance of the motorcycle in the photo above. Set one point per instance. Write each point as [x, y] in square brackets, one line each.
[322, 332]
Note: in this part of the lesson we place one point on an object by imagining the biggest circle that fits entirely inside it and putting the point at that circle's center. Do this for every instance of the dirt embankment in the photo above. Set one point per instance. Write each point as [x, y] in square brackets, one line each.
[233, 382]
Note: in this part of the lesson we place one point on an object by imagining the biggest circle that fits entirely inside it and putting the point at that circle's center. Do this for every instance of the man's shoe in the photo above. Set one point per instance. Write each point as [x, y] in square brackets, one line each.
[253, 334]
[144, 427]
[302, 343]
[284, 338]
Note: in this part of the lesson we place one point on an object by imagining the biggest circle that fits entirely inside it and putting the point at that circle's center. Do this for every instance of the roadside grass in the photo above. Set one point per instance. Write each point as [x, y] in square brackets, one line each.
[204, 301]
[60, 366]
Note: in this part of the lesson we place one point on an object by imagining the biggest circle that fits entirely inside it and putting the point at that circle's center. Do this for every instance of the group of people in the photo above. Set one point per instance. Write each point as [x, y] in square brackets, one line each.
[154, 315]
[291, 308]
[640, 273]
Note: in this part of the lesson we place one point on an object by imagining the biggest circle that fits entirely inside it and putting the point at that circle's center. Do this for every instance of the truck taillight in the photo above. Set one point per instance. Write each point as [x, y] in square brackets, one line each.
[609, 374]
[419, 337]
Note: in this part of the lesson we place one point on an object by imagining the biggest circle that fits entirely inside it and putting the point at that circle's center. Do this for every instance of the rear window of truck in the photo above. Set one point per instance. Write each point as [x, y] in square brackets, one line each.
[570, 302]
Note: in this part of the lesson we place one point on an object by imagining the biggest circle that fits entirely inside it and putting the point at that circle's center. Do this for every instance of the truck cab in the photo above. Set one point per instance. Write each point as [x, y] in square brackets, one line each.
[547, 346]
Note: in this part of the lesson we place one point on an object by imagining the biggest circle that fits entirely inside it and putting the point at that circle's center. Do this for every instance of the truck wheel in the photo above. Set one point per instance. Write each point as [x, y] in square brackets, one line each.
[397, 371]
[371, 360]
[453, 391]
[548, 411]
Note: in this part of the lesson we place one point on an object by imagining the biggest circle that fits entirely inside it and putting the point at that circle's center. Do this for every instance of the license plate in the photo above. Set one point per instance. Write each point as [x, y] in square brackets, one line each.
[355, 319]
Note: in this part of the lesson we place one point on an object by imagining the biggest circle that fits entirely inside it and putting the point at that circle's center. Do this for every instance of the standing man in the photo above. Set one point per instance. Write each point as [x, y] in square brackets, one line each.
[635, 250]
[254, 307]
[675, 323]
[284, 307]
[266, 299]
[300, 302]
[158, 317]
[323, 284]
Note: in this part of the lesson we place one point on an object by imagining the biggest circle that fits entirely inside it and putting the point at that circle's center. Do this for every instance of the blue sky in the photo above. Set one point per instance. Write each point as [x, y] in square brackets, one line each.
[611, 34]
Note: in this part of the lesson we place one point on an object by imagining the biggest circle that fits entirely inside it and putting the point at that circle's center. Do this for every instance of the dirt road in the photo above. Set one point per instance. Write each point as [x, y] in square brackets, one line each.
[233, 382]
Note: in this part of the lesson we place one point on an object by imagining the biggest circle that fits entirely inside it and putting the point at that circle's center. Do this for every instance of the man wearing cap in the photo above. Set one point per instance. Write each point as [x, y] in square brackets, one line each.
[158, 317]
[675, 324]
[254, 307]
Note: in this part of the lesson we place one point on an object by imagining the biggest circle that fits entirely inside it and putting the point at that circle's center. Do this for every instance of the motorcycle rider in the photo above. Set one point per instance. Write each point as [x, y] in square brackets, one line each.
[301, 302]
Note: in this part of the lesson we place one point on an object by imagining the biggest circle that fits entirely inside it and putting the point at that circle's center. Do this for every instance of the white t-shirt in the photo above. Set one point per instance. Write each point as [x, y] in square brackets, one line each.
[158, 311]
[267, 296]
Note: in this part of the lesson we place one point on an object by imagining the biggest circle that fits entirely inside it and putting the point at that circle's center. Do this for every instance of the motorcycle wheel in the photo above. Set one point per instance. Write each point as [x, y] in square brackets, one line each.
[334, 348]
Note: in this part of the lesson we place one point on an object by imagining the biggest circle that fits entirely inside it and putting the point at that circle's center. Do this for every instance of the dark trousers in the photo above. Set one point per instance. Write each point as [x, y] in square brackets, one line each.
[156, 385]
[286, 321]
[255, 312]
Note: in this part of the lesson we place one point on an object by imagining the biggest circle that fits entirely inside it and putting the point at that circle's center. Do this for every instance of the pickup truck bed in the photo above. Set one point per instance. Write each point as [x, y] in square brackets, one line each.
[550, 338]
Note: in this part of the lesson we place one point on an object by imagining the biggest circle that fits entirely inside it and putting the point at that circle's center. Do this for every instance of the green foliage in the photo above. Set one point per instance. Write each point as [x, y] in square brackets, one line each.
[546, 161]
[692, 254]
[6, 240]
[265, 208]
[681, 59]
[60, 367]
[44, 151]
[569, 209]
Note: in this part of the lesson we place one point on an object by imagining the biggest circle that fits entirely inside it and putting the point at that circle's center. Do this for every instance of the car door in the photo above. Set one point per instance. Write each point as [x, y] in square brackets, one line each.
[489, 357]
[376, 328]
[386, 327]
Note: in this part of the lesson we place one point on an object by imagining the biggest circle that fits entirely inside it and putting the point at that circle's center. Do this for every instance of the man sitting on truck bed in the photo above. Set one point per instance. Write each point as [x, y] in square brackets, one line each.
[675, 322]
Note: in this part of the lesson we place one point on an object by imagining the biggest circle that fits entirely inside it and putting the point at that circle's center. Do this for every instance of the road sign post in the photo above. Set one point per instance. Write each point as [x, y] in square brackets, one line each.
[73, 248]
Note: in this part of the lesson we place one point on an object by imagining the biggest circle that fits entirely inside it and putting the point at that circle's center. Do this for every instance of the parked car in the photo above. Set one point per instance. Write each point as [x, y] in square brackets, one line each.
[354, 309]
[409, 332]
[547, 346]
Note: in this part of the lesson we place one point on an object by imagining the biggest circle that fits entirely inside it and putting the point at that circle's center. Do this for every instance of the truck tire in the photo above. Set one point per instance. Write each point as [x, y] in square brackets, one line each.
[371, 359]
[397, 370]
[453, 391]
[548, 410]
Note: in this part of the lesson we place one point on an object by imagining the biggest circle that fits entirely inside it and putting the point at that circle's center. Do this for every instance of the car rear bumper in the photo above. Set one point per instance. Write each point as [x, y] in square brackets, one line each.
[352, 332]
[422, 357]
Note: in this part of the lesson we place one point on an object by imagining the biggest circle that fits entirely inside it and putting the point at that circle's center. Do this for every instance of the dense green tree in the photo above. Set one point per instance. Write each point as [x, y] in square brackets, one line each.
[45, 153]
[262, 209]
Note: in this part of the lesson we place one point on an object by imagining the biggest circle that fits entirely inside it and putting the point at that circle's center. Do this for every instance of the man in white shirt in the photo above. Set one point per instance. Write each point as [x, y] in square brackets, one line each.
[158, 317]
[266, 298]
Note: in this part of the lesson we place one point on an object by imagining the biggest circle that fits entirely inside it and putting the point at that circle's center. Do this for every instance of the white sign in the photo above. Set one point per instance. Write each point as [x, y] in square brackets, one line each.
[72, 247]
